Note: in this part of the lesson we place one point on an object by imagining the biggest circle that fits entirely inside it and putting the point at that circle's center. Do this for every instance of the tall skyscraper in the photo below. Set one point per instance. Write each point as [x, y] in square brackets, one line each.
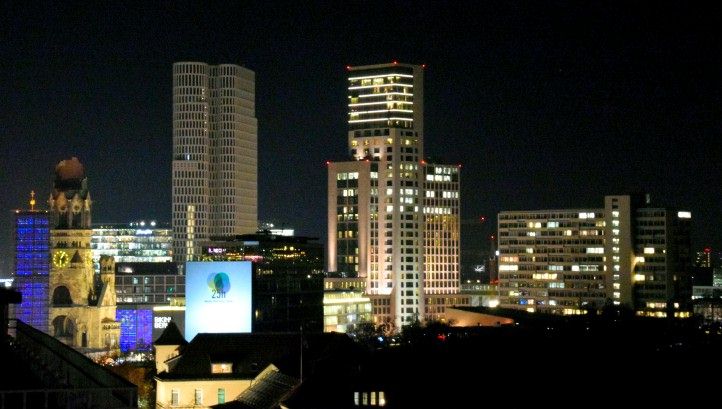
[32, 265]
[626, 253]
[376, 201]
[215, 155]
[441, 230]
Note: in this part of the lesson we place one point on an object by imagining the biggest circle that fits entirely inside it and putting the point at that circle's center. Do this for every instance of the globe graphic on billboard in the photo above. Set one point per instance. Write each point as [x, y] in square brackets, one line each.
[219, 284]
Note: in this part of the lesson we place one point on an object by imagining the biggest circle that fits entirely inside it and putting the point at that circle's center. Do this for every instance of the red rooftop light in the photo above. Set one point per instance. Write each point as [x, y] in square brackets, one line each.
[395, 62]
[328, 162]
[423, 66]
[708, 250]
[348, 68]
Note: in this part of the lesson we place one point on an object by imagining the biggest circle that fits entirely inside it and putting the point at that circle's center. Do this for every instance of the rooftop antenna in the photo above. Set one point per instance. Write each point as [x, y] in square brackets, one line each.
[32, 200]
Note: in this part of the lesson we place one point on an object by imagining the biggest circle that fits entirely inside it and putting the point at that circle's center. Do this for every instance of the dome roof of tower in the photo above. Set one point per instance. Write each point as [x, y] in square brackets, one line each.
[69, 169]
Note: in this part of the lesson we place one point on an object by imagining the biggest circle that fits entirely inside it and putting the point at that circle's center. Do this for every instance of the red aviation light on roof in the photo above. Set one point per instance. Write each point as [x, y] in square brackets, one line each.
[348, 68]
[423, 66]
[708, 250]
[328, 162]
[395, 62]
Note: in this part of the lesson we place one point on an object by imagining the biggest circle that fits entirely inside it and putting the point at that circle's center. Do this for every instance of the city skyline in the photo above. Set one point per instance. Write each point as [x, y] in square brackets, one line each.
[545, 106]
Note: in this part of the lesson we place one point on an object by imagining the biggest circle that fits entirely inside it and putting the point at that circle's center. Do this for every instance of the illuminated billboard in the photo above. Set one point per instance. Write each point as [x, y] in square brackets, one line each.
[163, 314]
[218, 297]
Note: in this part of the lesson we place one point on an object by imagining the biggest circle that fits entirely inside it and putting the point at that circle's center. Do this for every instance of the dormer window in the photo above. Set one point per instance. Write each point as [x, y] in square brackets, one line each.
[221, 367]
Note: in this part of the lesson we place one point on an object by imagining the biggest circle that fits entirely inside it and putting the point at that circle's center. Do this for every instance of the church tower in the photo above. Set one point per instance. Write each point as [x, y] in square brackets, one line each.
[82, 313]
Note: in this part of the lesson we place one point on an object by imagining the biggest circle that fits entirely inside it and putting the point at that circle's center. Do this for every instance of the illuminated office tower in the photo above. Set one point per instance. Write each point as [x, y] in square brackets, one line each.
[214, 173]
[552, 260]
[376, 219]
[32, 264]
[625, 254]
[136, 242]
[441, 234]
[441, 239]
[662, 278]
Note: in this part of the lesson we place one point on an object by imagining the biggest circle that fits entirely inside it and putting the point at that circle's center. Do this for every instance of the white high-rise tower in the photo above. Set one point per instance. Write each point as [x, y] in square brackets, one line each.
[392, 219]
[215, 155]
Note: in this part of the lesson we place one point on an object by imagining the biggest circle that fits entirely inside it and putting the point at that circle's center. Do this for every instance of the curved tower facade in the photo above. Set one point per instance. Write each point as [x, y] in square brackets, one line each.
[214, 154]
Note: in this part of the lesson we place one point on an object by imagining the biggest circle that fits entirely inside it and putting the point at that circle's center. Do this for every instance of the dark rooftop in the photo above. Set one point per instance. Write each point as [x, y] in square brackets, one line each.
[251, 353]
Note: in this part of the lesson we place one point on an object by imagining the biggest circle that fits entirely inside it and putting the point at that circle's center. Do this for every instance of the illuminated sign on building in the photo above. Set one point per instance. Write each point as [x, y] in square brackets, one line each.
[163, 315]
[161, 322]
[218, 297]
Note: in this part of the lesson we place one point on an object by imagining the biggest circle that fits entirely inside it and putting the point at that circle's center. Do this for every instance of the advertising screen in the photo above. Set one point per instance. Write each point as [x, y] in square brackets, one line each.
[162, 315]
[218, 297]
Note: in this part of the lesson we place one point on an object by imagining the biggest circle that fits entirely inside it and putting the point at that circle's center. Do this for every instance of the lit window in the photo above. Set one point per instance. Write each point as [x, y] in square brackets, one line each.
[649, 250]
[223, 367]
[199, 397]
[174, 397]
[221, 395]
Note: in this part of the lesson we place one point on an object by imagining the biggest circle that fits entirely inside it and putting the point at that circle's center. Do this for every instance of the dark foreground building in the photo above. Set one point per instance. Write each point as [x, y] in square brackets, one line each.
[287, 279]
[42, 372]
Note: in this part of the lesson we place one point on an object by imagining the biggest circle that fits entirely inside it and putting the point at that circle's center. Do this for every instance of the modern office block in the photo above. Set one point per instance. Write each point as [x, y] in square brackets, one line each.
[626, 254]
[136, 242]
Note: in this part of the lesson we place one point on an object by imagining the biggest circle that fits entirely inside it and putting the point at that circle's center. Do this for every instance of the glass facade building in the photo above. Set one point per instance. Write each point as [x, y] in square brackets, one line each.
[32, 266]
[134, 242]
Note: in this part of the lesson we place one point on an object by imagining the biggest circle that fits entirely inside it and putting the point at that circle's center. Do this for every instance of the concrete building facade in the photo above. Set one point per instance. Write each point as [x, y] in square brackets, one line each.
[625, 254]
[215, 154]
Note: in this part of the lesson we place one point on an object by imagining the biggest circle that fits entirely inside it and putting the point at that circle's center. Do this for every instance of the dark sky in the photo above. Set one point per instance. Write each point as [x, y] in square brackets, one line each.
[545, 104]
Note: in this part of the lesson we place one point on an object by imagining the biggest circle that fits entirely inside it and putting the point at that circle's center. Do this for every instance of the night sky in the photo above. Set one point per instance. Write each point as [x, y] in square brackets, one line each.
[545, 104]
